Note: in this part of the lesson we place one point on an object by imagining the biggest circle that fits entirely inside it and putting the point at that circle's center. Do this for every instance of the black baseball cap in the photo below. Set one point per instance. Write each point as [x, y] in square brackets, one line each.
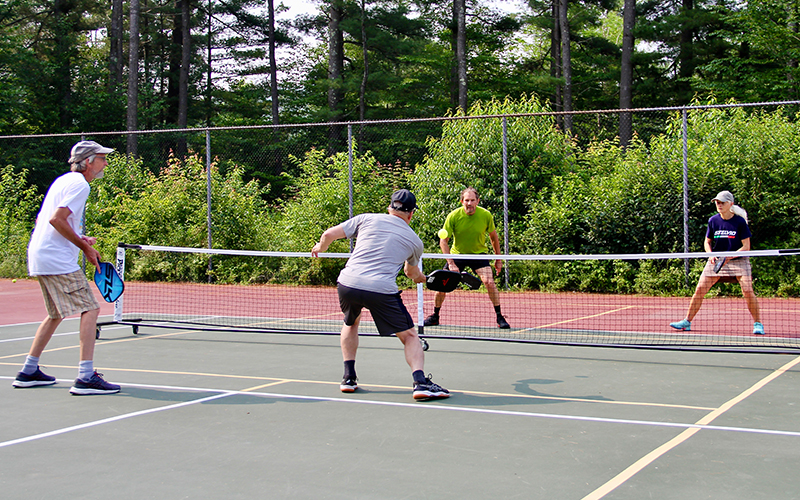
[403, 200]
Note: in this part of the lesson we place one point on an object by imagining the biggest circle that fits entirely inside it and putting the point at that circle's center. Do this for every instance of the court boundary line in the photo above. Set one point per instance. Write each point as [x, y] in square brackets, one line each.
[117, 418]
[63, 334]
[382, 386]
[221, 393]
[651, 457]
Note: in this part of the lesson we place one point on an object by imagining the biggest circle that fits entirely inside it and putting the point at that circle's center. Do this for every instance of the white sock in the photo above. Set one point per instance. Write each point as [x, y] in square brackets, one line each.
[86, 369]
[30, 366]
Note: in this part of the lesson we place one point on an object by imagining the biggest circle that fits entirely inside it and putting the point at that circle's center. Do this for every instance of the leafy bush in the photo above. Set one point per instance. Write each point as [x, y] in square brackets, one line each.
[132, 205]
[616, 202]
[469, 153]
[18, 206]
[321, 200]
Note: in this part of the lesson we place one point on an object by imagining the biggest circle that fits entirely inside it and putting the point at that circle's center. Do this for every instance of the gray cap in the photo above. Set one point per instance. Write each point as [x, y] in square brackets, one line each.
[403, 200]
[723, 196]
[85, 149]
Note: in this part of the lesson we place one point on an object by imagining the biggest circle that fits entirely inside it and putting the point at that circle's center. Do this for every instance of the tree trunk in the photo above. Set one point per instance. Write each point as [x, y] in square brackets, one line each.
[186, 58]
[273, 65]
[362, 91]
[686, 62]
[63, 62]
[460, 14]
[363, 88]
[115, 64]
[181, 148]
[566, 63]
[626, 72]
[133, 79]
[555, 60]
[209, 72]
[335, 70]
[173, 73]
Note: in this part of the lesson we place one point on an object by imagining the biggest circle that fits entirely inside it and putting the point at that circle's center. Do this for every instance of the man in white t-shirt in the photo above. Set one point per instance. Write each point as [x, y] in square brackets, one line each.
[384, 244]
[53, 252]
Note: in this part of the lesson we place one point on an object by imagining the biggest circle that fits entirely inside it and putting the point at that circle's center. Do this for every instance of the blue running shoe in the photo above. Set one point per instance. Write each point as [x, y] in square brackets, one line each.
[33, 379]
[95, 385]
[683, 324]
[758, 328]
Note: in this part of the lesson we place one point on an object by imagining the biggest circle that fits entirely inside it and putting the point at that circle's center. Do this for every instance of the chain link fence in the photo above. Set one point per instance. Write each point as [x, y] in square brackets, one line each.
[551, 190]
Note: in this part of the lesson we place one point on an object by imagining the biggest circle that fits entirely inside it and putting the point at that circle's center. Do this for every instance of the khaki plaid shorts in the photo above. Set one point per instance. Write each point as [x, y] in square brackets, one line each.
[67, 294]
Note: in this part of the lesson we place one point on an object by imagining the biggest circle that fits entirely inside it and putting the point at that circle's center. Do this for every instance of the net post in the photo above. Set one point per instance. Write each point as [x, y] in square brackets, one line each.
[420, 306]
[120, 265]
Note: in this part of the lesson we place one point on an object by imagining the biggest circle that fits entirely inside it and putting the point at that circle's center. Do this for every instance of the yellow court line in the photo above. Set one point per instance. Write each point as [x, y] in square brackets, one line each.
[646, 460]
[271, 384]
[578, 319]
[278, 381]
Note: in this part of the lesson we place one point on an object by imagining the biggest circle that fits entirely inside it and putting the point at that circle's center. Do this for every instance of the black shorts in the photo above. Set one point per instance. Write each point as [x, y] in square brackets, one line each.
[473, 264]
[387, 309]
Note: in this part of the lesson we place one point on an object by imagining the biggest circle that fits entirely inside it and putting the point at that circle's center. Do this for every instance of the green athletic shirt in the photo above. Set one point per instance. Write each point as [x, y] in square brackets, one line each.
[467, 233]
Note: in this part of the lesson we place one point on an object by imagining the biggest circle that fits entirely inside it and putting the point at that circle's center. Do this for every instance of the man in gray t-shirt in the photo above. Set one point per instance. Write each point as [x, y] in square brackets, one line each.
[384, 244]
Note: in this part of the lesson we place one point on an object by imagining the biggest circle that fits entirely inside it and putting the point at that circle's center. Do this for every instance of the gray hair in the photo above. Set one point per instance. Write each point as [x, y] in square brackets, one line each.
[467, 190]
[80, 166]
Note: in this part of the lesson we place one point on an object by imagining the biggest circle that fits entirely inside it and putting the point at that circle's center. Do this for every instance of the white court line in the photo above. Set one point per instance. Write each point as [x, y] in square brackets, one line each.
[76, 318]
[19, 339]
[109, 420]
[417, 405]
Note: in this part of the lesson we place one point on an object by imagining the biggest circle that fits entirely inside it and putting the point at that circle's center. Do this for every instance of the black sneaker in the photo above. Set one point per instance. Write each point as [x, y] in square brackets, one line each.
[432, 320]
[34, 379]
[348, 385]
[95, 385]
[501, 322]
[429, 390]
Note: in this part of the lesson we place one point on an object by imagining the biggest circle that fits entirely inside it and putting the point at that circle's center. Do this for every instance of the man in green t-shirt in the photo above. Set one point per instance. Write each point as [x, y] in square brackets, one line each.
[468, 227]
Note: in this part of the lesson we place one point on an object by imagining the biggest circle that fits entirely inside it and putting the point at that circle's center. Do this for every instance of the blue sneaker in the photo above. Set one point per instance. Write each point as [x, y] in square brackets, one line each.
[33, 379]
[758, 328]
[95, 385]
[683, 324]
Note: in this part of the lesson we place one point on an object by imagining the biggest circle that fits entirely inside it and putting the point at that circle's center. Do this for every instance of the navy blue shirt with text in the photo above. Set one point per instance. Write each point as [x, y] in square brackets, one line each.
[727, 235]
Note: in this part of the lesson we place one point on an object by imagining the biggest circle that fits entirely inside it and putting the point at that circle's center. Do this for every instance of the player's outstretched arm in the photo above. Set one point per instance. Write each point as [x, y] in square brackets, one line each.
[329, 236]
[414, 273]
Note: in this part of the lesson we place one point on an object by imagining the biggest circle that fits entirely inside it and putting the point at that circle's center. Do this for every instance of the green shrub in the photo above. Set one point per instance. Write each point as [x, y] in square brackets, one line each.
[19, 204]
[469, 153]
[132, 205]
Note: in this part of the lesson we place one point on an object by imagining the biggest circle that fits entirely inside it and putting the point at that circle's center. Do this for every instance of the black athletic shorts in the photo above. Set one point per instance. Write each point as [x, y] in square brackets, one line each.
[473, 264]
[387, 309]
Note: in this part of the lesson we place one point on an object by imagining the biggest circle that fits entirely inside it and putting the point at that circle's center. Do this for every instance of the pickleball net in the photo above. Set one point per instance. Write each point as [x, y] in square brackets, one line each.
[169, 287]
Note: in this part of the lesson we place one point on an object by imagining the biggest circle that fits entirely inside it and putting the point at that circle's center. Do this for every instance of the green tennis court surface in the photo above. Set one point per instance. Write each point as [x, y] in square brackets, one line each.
[223, 414]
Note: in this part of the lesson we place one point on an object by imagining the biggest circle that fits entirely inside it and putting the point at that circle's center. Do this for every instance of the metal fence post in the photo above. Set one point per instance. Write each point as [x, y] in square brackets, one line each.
[208, 199]
[685, 193]
[350, 173]
[505, 194]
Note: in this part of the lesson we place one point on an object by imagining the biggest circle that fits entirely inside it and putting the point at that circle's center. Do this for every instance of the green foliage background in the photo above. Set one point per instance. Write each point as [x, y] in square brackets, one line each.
[19, 204]
[565, 199]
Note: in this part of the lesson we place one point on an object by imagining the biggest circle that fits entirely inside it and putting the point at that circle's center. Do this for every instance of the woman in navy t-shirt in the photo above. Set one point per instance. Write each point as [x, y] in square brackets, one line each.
[727, 232]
